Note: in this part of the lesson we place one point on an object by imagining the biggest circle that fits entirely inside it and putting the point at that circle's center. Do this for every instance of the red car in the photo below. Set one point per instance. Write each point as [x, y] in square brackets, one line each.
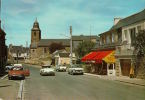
[18, 72]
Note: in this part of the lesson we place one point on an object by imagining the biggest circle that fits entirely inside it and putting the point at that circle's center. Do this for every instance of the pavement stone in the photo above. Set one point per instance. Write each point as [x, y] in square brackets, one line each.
[8, 89]
[124, 79]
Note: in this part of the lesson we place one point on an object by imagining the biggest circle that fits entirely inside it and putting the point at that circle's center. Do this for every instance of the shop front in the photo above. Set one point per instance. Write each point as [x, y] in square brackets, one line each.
[103, 62]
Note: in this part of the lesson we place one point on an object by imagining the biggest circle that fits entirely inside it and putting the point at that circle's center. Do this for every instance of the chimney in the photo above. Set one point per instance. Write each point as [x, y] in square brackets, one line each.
[116, 20]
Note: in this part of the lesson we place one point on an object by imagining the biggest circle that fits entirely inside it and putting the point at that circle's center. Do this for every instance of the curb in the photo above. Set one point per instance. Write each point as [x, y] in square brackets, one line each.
[99, 76]
[130, 83]
[20, 92]
[4, 76]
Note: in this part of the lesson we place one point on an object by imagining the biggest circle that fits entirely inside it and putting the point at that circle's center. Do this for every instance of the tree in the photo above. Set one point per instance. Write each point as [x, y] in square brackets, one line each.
[55, 46]
[84, 48]
[140, 54]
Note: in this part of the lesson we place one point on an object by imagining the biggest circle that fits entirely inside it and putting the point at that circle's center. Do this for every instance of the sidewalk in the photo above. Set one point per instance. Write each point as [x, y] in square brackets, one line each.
[8, 89]
[123, 79]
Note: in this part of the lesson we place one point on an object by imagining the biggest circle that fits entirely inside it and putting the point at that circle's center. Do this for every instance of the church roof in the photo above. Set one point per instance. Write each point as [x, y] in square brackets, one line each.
[84, 37]
[48, 42]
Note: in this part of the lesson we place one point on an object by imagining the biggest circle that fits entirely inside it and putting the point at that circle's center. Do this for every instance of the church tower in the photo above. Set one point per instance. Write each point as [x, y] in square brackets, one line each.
[35, 34]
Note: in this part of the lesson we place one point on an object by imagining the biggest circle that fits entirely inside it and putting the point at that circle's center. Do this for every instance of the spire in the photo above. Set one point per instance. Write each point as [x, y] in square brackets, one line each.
[36, 20]
[36, 25]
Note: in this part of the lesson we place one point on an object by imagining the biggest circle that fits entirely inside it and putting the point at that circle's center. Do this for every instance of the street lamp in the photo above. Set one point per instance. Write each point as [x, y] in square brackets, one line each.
[70, 37]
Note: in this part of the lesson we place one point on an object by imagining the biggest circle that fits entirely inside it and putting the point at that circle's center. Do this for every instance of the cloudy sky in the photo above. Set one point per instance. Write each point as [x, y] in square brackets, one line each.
[55, 17]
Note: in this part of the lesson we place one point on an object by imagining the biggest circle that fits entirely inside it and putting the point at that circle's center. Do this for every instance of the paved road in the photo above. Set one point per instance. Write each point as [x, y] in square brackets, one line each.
[78, 87]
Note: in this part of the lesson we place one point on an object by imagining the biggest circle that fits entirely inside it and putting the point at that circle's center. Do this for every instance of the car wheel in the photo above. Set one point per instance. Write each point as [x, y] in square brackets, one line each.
[23, 78]
[9, 78]
[72, 73]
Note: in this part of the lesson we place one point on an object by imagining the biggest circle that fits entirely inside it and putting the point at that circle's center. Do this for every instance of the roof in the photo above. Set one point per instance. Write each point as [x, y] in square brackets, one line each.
[84, 37]
[64, 54]
[130, 20]
[20, 49]
[48, 42]
[2, 32]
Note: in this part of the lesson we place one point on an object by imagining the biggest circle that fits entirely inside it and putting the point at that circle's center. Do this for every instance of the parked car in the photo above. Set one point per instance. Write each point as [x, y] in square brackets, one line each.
[75, 69]
[61, 68]
[18, 72]
[47, 70]
[8, 67]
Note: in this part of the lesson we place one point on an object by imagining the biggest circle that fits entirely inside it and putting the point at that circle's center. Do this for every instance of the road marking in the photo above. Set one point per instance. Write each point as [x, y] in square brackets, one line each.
[3, 78]
[20, 92]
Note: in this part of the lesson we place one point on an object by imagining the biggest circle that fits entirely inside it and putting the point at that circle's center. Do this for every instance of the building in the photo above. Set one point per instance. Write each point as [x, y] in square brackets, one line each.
[63, 58]
[39, 47]
[120, 38]
[18, 52]
[3, 51]
[130, 27]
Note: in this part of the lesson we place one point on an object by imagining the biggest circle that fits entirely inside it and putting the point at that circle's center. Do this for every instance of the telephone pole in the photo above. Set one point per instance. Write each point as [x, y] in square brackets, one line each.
[71, 45]
[0, 13]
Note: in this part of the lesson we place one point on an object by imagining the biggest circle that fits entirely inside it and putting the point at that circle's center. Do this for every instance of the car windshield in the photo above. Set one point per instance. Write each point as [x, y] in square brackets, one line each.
[46, 66]
[17, 68]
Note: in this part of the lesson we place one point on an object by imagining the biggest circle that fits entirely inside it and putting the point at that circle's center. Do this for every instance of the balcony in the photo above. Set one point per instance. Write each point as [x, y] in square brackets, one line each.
[124, 50]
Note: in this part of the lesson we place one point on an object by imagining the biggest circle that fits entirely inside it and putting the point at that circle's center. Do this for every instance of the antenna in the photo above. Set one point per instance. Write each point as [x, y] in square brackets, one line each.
[90, 32]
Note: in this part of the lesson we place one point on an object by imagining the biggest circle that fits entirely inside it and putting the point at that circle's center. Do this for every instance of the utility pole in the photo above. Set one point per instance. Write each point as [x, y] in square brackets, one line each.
[71, 45]
[0, 13]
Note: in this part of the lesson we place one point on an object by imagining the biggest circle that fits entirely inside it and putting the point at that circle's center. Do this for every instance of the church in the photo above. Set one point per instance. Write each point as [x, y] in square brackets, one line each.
[39, 48]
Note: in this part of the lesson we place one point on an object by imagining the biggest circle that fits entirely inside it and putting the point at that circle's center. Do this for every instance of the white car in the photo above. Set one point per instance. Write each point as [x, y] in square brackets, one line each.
[61, 68]
[75, 69]
[46, 70]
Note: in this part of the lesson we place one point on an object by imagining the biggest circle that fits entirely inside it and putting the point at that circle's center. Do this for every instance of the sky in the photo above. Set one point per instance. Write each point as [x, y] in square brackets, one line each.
[55, 17]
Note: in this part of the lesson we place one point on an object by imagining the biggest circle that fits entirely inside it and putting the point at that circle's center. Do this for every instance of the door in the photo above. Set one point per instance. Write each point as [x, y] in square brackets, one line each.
[125, 66]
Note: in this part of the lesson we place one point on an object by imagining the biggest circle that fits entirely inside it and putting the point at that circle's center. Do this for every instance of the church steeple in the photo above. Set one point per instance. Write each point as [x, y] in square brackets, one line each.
[35, 33]
[36, 25]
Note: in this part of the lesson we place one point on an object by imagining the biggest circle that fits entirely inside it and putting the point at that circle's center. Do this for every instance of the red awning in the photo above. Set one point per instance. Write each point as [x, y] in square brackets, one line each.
[89, 56]
[100, 55]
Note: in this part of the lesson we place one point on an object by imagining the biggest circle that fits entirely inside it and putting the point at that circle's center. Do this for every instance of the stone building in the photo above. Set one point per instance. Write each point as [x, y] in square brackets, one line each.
[120, 39]
[3, 51]
[39, 47]
[18, 52]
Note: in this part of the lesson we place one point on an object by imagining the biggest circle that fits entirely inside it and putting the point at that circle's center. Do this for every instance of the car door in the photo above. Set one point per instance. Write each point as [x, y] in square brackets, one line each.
[27, 72]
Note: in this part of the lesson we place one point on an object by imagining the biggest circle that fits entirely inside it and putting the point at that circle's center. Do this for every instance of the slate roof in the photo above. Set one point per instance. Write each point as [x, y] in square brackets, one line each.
[130, 20]
[2, 32]
[15, 49]
[84, 37]
[48, 42]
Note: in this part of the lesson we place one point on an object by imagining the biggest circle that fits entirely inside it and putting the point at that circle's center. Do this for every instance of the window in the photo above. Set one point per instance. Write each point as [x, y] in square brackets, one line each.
[138, 28]
[34, 33]
[125, 35]
[45, 50]
[132, 35]
[108, 39]
[113, 37]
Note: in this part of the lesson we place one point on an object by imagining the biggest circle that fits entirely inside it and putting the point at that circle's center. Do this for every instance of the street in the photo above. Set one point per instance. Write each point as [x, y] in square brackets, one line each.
[77, 87]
